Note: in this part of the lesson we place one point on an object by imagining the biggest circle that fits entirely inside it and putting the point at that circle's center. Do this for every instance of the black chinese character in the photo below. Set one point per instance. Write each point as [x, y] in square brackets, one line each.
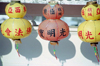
[59, 9]
[51, 32]
[45, 11]
[52, 11]
[41, 32]
[62, 32]
[59, 13]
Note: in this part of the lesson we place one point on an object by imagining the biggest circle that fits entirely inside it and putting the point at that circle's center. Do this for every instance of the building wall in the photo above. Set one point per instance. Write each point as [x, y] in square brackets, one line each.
[35, 51]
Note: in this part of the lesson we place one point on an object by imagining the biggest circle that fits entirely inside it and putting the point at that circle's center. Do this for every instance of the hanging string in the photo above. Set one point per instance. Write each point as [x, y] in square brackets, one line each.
[96, 52]
[17, 50]
[54, 51]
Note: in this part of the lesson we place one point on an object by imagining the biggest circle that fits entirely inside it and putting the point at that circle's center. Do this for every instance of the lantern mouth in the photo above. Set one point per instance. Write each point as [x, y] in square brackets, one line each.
[15, 18]
[53, 2]
[15, 1]
[94, 44]
[54, 42]
[94, 3]
[17, 41]
[91, 2]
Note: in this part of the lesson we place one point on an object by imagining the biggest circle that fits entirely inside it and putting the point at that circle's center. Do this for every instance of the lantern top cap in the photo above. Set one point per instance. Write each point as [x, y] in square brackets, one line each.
[15, 0]
[91, 2]
[53, 2]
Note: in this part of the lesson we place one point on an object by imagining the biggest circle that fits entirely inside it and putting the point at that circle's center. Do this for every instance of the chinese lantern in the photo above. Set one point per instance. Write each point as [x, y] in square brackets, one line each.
[89, 31]
[16, 27]
[53, 29]
[15, 9]
[91, 11]
[53, 11]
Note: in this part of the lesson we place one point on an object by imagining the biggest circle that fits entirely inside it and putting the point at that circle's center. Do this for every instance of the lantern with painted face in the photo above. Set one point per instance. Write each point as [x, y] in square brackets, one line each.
[89, 31]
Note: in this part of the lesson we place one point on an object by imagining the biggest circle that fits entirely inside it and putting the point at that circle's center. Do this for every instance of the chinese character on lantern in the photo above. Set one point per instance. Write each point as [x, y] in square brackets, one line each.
[8, 31]
[90, 11]
[18, 32]
[10, 10]
[88, 34]
[51, 32]
[80, 34]
[62, 32]
[98, 11]
[17, 9]
[41, 33]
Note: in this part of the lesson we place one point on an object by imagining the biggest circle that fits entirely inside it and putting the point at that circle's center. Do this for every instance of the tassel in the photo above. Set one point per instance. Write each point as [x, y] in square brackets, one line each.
[17, 50]
[54, 51]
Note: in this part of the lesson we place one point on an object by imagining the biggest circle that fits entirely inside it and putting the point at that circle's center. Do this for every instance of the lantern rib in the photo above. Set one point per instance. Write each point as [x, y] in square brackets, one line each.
[49, 12]
[93, 11]
[24, 26]
[13, 28]
[85, 13]
[83, 31]
[66, 27]
[46, 29]
[57, 30]
[56, 11]
[95, 31]
[4, 25]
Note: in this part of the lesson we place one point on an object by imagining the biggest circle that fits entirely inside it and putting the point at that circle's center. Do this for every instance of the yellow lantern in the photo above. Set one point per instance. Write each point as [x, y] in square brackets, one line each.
[89, 31]
[91, 11]
[16, 27]
[15, 9]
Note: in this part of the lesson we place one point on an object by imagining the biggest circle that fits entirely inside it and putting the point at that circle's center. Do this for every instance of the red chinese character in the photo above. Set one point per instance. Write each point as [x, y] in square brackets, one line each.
[10, 10]
[28, 30]
[17, 9]
[83, 12]
[8, 31]
[80, 34]
[90, 11]
[88, 35]
[24, 9]
[98, 11]
[18, 32]
[99, 34]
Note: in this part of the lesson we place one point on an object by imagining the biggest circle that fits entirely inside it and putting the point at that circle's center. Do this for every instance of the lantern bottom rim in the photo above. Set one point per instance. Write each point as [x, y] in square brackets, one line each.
[94, 43]
[17, 41]
[54, 42]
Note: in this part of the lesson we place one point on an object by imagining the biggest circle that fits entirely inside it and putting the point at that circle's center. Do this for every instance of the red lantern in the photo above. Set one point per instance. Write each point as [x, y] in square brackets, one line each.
[53, 11]
[53, 29]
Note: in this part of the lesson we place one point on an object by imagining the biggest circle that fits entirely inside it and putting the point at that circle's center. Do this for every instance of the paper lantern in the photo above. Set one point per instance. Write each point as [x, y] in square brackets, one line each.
[91, 11]
[53, 29]
[53, 10]
[89, 31]
[16, 27]
[15, 9]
